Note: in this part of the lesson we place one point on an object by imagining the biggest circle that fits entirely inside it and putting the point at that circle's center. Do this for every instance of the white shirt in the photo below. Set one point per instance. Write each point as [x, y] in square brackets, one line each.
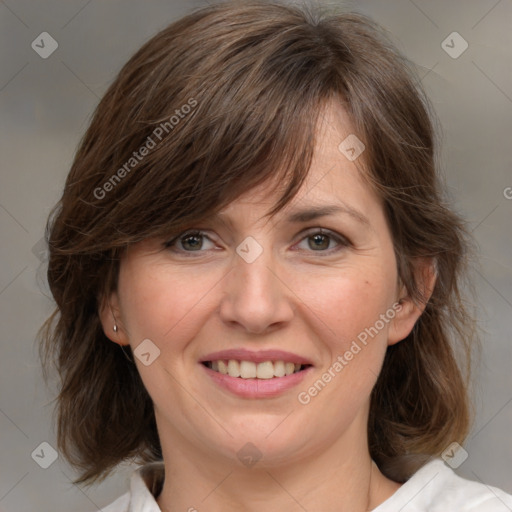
[433, 488]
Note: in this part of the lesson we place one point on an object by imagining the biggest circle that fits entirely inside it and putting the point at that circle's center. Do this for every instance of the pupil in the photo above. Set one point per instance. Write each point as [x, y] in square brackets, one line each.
[192, 237]
[319, 237]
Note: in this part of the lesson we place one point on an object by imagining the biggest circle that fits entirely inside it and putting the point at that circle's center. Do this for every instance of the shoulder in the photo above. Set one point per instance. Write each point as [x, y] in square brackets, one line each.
[145, 485]
[437, 488]
[120, 505]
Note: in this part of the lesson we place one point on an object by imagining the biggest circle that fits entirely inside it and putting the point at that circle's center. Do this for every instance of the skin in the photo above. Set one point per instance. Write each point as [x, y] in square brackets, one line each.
[294, 297]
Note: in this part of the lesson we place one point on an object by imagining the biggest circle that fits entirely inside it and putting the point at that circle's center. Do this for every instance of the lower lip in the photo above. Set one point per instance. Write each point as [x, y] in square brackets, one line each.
[257, 388]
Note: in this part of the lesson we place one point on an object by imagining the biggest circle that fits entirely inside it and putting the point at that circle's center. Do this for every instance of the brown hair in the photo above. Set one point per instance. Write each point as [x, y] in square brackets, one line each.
[225, 99]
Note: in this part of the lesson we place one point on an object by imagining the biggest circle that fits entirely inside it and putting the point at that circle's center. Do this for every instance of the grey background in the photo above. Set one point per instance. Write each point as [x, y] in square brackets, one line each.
[45, 106]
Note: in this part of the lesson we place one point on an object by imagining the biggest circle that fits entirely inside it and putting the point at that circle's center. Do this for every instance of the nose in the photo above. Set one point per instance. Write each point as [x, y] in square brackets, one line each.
[256, 298]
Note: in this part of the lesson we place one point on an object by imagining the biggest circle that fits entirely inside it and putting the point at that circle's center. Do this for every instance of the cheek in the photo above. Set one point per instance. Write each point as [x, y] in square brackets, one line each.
[359, 312]
[348, 302]
[168, 308]
[158, 302]
[363, 302]
[347, 319]
[340, 391]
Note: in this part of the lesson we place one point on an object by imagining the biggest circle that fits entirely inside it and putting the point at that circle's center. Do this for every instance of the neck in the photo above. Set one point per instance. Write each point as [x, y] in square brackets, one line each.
[342, 478]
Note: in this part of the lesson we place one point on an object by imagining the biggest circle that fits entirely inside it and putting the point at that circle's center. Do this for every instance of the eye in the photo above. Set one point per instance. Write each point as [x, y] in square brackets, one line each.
[320, 240]
[190, 241]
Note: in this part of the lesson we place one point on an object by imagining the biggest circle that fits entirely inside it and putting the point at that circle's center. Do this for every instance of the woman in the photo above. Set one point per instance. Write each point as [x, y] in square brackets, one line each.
[299, 353]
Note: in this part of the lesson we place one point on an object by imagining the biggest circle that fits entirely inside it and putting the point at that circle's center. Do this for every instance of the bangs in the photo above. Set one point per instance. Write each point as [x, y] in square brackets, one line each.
[254, 120]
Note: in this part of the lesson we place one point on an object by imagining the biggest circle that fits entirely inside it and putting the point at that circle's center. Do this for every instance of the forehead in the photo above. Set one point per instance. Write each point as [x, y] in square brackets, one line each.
[333, 177]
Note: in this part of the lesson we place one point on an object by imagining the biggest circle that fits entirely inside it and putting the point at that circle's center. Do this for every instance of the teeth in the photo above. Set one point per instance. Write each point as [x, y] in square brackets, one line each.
[251, 370]
[279, 370]
[233, 368]
[289, 368]
[247, 370]
[223, 368]
[265, 370]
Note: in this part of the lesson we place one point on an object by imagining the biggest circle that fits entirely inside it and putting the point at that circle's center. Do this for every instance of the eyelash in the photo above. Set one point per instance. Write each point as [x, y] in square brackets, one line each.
[341, 240]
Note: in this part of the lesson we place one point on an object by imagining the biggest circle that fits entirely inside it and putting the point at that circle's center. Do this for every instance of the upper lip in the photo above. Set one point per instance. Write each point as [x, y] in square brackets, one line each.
[259, 356]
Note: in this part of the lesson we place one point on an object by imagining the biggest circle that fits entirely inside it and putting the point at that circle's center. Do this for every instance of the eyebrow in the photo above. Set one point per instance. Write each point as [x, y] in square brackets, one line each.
[309, 214]
[315, 212]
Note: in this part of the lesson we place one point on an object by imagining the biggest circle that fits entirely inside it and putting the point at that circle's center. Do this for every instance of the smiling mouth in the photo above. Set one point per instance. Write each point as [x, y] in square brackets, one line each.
[252, 370]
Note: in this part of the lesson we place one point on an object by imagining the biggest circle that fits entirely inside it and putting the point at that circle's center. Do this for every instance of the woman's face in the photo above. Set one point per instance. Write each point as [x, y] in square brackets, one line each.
[248, 294]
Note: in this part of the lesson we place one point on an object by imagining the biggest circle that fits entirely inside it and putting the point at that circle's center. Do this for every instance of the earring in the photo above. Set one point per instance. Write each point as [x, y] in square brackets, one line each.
[115, 328]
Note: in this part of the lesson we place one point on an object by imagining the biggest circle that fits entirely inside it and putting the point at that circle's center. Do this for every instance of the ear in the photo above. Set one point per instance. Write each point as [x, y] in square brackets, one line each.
[110, 316]
[409, 312]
